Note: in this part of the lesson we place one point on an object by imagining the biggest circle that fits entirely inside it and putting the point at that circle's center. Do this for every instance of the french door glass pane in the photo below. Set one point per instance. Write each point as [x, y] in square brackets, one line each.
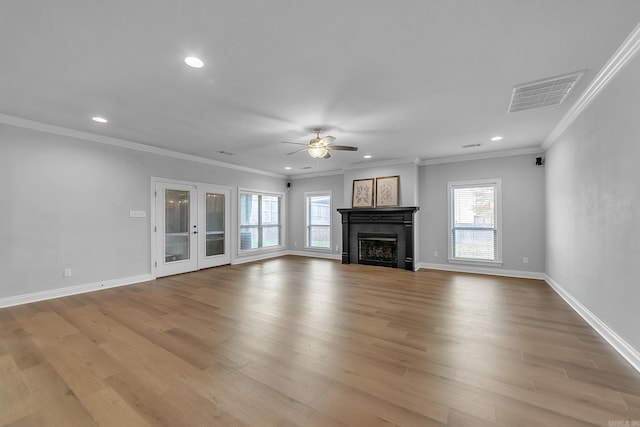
[176, 225]
[215, 224]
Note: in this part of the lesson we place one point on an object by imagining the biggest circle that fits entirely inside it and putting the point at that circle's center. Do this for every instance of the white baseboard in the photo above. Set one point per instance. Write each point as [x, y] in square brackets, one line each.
[621, 346]
[482, 270]
[105, 284]
[314, 254]
[71, 290]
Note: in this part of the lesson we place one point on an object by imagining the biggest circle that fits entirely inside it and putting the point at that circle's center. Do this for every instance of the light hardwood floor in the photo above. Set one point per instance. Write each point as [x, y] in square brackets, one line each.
[311, 342]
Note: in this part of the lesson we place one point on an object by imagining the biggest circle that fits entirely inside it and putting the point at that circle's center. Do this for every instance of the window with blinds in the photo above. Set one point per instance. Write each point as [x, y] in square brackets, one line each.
[474, 214]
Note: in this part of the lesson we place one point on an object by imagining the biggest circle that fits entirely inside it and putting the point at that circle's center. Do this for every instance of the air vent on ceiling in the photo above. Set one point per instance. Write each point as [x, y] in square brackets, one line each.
[306, 167]
[542, 93]
[471, 145]
[226, 153]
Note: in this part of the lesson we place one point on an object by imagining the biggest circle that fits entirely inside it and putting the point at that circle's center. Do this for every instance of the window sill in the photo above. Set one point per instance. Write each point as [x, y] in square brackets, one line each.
[475, 262]
[312, 248]
[260, 250]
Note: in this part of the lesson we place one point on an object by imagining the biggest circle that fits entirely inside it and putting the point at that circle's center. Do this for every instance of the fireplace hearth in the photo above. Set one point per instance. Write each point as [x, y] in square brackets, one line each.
[378, 236]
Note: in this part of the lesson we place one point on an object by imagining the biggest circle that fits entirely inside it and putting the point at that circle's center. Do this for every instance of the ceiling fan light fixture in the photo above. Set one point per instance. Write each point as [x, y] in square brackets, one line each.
[318, 148]
[317, 152]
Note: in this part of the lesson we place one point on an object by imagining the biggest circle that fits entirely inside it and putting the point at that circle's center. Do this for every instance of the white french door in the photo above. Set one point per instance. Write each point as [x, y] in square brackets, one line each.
[214, 219]
[192, 223]
[176, 228]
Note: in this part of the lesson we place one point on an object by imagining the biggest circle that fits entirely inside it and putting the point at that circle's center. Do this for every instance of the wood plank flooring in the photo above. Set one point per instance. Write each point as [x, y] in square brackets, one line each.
[310, 342]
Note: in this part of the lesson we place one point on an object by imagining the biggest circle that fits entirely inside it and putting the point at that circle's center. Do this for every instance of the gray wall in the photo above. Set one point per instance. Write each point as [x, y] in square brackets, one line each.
[522, 208]
[593, 206]
[296, 223]
[67, 202]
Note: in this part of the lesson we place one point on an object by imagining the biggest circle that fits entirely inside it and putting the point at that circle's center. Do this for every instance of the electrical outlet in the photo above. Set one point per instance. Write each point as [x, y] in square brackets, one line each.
[295, 243]
[525, 260]
[67, 272]
[435, 253]
[337, 248]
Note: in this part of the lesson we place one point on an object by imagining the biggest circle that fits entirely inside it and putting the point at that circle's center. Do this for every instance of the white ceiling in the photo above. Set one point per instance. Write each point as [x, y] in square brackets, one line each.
[398, 79]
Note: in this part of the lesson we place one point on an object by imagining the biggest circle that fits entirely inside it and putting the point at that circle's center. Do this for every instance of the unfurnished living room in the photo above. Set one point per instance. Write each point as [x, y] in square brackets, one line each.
[328, 213]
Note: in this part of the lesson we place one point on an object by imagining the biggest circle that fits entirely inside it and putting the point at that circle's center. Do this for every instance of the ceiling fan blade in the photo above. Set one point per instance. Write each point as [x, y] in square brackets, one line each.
[297, 143]
[297, 151]
[327, 140]
[342, 147]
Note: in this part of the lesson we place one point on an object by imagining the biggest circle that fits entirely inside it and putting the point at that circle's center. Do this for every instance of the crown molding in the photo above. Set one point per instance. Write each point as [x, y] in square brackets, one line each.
[620, 58]
[390, 162]
[123, 143]
[317, 174]
[405, 161]
[482, 156]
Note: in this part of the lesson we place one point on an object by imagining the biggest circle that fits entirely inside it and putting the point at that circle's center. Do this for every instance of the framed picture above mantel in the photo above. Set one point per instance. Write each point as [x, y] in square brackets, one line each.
[387, 191]
[362, 195]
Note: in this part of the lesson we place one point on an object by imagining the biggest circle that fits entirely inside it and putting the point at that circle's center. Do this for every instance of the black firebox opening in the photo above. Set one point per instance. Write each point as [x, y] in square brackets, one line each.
[378, 249]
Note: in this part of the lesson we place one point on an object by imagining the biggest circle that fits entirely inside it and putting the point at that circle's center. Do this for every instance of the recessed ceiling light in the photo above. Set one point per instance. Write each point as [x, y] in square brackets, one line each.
[288, 168]
[99, 119]
[496, 138]
[368, 156]
[194, 62]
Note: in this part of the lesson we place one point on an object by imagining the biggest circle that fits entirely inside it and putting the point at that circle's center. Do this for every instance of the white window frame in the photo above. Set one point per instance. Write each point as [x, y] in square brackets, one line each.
[497, 184]
[307, 244]
[281, 222]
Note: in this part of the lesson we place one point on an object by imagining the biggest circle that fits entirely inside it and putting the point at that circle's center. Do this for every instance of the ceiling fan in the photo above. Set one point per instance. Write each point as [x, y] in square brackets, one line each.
[319, 148]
